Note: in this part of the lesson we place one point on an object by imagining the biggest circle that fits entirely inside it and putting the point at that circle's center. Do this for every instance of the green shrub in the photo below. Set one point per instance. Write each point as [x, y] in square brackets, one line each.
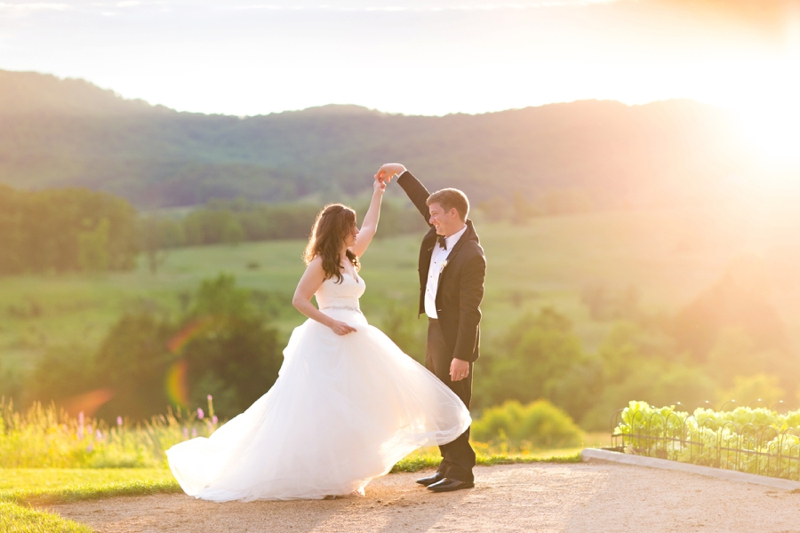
[223, 345]
[754, 440]
[541, 424]
[542, 358]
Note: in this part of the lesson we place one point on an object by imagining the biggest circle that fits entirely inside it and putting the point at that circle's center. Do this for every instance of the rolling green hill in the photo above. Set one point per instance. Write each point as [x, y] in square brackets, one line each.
[69, 132]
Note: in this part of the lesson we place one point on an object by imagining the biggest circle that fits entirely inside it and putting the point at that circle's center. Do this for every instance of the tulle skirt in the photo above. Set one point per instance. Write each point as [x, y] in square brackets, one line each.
[343, 411]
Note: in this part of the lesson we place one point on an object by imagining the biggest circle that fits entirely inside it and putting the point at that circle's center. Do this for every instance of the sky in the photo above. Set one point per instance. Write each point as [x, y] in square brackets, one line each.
[432, 57]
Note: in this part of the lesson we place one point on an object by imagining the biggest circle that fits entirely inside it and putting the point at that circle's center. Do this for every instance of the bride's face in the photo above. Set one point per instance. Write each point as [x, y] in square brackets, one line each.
[350, 240]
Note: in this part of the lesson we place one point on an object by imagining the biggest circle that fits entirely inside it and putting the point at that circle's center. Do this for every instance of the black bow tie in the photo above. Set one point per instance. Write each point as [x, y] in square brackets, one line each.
[442, 240]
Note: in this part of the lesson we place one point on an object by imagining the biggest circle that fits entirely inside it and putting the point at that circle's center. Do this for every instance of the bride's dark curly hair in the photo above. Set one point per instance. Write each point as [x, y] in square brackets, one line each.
[331, 227]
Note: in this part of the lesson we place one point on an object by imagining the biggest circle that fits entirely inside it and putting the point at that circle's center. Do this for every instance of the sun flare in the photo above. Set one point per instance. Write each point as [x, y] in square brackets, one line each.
[772, 128]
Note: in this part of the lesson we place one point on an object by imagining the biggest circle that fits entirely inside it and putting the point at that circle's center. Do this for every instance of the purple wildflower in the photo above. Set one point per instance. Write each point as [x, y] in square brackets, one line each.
[119, 420]
[185, 433]
[214, 420]
[200, 413]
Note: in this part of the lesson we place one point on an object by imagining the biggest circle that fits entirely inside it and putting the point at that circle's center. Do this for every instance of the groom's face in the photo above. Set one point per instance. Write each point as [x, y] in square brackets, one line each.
[445, 222]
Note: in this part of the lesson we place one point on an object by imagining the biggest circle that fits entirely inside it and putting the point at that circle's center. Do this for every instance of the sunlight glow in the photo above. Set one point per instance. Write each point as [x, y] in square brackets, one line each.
[772, 119]
[772, 127]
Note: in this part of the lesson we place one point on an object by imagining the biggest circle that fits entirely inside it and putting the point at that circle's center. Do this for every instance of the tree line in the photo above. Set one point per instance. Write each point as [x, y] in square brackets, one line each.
[78, 230]
[65, 230]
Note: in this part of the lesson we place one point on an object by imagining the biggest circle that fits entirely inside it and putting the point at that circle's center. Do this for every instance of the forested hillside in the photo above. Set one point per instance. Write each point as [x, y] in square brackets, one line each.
[69, 132]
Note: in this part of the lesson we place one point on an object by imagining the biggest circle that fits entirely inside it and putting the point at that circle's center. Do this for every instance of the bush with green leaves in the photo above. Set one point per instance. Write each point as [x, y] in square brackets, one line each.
[539, 424]
[754, 440]
[540, 358]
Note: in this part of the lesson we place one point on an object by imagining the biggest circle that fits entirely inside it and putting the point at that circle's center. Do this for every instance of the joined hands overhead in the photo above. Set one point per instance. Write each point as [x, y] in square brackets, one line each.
[389, 171]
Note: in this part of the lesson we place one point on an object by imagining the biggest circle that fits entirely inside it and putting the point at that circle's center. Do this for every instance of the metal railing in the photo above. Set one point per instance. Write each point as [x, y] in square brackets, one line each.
[679, 436]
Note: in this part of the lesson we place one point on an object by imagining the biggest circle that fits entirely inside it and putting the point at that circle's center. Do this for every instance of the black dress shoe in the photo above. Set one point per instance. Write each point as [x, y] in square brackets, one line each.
[449, 485]
[428, 481]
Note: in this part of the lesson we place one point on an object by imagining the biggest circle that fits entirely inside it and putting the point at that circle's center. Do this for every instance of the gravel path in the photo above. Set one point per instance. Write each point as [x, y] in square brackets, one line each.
[542, 498]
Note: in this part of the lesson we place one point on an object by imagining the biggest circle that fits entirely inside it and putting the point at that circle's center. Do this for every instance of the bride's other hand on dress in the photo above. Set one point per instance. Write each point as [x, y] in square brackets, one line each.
[389, 171]
[309, 283]
[342, 328]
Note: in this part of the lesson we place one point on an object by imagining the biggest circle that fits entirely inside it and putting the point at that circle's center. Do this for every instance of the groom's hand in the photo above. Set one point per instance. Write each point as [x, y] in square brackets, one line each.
[459, 370]
[388, 171]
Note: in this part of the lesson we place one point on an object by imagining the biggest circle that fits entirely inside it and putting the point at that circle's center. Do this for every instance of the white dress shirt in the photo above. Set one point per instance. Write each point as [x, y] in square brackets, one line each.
[438, 262]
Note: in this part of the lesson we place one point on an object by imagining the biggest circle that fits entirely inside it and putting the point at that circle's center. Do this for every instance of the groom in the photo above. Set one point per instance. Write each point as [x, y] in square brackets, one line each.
[452, 267]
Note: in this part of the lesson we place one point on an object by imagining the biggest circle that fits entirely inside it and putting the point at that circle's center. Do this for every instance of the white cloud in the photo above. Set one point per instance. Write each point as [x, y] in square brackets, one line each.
[23, 7]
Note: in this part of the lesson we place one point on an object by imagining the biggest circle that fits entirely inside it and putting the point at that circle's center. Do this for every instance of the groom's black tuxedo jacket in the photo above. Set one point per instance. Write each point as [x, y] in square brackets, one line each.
[460, 292]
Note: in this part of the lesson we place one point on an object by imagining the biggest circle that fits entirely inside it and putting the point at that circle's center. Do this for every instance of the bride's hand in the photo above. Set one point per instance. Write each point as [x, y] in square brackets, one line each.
[341, 328]
[378, 186]
[388, 171]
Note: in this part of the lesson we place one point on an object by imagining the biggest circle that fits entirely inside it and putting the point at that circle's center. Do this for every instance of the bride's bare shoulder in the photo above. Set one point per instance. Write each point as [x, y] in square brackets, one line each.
[314, 267]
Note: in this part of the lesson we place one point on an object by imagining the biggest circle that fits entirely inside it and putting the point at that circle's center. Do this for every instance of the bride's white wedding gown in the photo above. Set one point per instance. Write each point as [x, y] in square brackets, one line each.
[343, 411]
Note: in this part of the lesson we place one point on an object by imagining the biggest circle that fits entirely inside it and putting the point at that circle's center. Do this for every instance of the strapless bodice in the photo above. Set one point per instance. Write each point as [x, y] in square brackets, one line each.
[344, 295]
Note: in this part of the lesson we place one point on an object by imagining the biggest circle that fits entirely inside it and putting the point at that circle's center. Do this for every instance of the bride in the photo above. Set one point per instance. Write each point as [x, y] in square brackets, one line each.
[348, 403]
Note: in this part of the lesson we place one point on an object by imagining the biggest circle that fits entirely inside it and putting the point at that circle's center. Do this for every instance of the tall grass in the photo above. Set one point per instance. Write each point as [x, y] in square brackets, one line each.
[47, 437]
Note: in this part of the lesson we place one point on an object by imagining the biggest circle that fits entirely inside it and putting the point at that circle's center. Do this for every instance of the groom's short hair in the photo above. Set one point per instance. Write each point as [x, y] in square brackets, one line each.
[450, 198]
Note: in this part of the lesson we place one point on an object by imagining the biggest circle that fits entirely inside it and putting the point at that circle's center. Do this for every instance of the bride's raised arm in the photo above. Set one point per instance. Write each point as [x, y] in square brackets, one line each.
[370, 224]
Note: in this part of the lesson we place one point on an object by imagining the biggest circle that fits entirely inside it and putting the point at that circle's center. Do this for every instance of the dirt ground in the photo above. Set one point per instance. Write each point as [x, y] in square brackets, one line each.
[542, 498]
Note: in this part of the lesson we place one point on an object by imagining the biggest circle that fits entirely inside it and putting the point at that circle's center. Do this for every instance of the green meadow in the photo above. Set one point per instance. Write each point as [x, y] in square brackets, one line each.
[668, 257]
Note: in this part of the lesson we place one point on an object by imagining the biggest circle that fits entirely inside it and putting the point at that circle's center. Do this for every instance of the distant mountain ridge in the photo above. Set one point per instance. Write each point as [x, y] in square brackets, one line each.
[31, 93]
[71, 133]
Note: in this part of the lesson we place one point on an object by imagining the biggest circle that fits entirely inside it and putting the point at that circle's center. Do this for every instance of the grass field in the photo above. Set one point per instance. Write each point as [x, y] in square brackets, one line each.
[668, 256]
[22, 488]
[18, 519]
[48, 485]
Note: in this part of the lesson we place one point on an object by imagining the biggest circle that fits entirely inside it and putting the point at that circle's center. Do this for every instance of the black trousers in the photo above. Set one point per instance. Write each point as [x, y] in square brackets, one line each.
[458, 457]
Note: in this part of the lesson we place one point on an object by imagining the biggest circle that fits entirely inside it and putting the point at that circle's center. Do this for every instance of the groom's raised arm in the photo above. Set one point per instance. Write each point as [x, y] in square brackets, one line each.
[416, 192]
